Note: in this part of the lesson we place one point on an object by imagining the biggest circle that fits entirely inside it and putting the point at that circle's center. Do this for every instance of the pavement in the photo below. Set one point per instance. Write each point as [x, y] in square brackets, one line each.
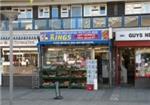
[107, 96]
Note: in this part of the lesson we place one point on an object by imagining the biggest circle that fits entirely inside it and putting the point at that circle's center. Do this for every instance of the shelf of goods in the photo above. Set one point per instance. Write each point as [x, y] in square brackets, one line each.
[67, 78]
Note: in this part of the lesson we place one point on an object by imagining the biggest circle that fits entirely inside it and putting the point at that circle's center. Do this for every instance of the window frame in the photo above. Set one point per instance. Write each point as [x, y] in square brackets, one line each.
[99, 10]
[76, 6]
[24, 12]
[65, 13]
[44, 11]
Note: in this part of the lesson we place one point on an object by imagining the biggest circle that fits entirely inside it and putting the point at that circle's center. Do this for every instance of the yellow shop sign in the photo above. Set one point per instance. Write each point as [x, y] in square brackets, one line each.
[54, 37]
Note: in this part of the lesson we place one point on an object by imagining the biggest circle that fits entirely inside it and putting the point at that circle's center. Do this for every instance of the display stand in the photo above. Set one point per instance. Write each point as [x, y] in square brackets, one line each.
[92, 75]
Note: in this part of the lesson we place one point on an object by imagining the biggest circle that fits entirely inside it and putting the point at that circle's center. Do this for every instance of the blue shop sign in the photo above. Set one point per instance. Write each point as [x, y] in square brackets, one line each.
[74, 37]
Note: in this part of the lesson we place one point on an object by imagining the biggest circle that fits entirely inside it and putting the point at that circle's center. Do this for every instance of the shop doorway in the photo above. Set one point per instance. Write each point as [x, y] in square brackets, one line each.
[102, 67]
[127, 66]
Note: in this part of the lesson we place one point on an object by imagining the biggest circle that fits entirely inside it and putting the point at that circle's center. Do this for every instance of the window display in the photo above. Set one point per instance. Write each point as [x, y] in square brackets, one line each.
[24, 62]
[66, 65]
[143, 62]
[74, 57]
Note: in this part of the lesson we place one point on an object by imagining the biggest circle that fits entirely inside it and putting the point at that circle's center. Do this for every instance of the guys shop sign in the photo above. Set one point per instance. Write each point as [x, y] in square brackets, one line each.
[133, 35]
[74, 37]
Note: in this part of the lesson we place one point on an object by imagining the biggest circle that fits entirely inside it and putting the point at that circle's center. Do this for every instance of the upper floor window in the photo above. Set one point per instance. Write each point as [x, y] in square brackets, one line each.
[115, 8]
[95, 10]
[137, 8]
[43, 12]
[65, 11]
[55, 12]
[76, 11]
[24, 12]
[103, 10]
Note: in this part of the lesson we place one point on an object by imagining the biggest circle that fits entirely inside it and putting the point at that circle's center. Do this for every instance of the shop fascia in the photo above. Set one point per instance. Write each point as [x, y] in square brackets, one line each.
[135, 35]
[19, 43]
[74, 37]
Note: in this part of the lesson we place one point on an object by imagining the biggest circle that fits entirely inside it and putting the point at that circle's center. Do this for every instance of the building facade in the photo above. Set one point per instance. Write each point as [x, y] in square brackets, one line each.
[63, 33]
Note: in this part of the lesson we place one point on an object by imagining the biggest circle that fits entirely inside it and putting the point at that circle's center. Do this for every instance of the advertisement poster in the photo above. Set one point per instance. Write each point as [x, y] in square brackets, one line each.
[92, 73]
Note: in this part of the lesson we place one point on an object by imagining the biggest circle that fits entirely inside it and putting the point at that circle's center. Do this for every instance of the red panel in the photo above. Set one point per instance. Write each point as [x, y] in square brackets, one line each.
[132, 44]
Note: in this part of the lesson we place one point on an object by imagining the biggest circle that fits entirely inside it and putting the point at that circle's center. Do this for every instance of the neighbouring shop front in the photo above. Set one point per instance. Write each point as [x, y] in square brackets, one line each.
[25, 59]
[64, 56]
[133, 58]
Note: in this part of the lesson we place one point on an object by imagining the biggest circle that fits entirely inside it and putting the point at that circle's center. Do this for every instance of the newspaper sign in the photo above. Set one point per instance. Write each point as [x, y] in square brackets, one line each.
[92, 73]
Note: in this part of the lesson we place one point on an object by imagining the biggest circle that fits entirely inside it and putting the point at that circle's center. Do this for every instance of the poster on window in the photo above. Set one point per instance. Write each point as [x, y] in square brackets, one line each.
[92, 73]
[143, 63]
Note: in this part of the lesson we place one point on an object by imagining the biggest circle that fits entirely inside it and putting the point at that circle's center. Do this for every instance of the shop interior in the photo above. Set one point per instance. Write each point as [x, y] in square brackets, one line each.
[24, 61]
[142, 62]
[127, 65]
[70, 62]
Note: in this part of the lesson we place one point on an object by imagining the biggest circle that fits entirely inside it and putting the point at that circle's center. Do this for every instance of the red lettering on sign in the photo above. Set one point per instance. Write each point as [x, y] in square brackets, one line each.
[86, 36]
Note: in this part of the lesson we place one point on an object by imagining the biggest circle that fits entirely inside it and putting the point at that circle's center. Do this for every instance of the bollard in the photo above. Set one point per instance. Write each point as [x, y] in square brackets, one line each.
[57, 91]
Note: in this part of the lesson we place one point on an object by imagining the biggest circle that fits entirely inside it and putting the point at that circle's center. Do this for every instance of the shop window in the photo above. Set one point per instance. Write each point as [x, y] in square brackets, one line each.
[76, 11]
[145, 20]
[54, 56]
[43, 12]
[142, 60]
[131, 21]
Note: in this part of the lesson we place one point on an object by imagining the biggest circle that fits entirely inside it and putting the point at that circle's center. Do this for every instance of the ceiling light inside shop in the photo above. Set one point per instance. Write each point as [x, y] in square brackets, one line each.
[53, 49]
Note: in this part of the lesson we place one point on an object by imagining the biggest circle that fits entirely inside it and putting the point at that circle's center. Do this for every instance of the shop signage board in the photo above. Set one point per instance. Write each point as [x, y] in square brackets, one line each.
[92, 73]
[19, 42]
[74, 37]
[133, 35]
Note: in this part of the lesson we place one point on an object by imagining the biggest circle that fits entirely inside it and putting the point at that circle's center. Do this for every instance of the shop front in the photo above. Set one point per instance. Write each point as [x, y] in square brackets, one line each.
[25, 59]
[64, 55]
[133, 58]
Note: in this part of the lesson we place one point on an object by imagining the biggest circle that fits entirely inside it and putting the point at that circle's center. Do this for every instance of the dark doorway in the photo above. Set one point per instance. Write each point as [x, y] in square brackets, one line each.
[128, 62]
[102, 69]
[99, 68]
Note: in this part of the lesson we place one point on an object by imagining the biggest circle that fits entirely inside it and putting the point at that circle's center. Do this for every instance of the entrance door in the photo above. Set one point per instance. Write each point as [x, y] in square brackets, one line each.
[102, 68]
[127, 65]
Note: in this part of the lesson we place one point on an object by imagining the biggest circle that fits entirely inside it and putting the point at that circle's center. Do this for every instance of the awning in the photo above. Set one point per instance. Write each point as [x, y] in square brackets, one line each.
[103, 42]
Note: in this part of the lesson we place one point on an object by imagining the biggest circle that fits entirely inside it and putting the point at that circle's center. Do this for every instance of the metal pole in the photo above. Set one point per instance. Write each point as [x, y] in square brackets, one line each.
[11, 62]
[11, 15]
[110, 66]
[110, 57]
